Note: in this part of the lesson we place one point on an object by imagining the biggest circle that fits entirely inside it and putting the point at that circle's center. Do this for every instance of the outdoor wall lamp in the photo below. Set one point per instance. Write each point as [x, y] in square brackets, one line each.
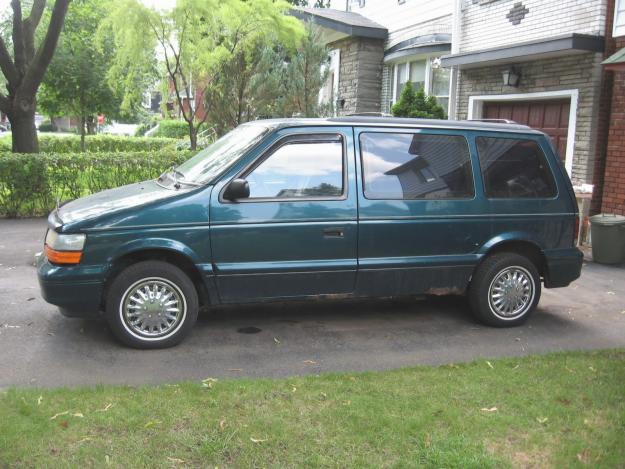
[511, 77]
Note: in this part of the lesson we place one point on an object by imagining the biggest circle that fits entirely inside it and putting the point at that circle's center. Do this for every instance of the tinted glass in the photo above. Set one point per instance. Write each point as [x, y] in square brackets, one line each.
[514, 168]
[299, 170]
[416, 166]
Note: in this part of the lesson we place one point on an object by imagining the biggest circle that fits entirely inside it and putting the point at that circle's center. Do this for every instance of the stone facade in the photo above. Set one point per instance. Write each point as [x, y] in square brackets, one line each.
[360, 74]
[387, 89]
[581, 72]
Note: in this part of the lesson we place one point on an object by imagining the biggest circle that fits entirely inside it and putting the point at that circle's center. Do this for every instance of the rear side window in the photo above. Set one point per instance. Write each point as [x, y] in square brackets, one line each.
[514, 168]
[415, 166]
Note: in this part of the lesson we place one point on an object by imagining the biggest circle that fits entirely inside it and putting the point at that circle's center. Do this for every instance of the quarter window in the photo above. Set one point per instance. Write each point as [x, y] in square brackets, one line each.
[299, 170]
[415, 166]
[514, 168]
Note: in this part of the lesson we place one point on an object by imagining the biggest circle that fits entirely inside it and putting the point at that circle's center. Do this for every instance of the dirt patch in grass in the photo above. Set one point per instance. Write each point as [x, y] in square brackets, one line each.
[515, 448]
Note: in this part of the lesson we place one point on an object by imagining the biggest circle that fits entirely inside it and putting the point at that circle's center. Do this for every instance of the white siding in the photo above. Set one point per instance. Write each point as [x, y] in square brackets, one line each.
[484, 23]
[405, 20]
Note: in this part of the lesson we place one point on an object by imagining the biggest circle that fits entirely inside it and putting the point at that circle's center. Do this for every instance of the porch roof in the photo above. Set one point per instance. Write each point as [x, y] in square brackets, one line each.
[426, 44]
[534, 50]
[616, 61]
[338, 24]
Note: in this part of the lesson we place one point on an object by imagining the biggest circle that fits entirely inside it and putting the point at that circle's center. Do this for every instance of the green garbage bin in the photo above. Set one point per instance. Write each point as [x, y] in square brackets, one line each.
[608, 238]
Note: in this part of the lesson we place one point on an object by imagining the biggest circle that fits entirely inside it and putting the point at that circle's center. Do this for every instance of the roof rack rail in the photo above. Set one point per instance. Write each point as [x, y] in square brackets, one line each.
[368, 114]
[495, 121]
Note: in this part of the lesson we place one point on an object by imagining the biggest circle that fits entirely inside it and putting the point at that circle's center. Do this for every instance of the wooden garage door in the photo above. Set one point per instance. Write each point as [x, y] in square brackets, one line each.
[552, 117]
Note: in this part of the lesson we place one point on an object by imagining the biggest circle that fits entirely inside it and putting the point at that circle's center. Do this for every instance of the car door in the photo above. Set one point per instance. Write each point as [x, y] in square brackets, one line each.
[296, 233]
[419, 220]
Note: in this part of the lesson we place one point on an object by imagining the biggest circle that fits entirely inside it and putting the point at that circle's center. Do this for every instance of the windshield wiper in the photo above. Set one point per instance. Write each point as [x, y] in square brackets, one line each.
[178, 182]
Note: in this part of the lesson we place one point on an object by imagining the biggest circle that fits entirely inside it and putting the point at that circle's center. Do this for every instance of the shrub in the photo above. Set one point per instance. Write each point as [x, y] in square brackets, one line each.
[31, 184]
[47, 127]
[146, 125]
[101, 143]
[417, 104]
[172, 129]
[5, 142]
[94, 143]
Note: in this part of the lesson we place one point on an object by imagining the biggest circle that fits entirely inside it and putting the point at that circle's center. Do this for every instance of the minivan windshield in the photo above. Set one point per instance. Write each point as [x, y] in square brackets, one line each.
[215, 158]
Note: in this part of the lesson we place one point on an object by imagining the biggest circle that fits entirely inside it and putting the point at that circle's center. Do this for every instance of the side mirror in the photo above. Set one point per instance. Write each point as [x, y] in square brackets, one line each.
[237, 189]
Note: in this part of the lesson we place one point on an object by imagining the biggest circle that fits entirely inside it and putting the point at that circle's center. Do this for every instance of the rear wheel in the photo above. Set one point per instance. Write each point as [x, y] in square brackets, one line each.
[151, 304]
[505, 290]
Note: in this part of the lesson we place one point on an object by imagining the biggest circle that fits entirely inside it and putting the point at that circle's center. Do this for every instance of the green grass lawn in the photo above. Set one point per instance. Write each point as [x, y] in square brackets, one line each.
[558, 410]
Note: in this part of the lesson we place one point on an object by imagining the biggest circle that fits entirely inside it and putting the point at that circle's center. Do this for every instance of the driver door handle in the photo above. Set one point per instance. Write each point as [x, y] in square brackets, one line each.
[333, 233]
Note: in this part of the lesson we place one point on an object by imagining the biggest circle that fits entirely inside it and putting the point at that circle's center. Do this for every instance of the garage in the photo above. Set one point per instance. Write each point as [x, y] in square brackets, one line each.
[549, 116]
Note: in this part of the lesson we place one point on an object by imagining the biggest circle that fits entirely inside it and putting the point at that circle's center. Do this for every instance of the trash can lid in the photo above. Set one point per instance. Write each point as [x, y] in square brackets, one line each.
[607, 219]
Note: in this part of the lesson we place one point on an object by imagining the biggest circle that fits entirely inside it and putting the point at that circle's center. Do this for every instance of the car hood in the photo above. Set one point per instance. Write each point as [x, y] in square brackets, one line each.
[114, 200]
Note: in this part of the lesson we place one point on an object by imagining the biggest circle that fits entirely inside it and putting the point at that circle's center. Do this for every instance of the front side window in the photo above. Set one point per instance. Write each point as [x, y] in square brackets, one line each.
[415, 166]
[514, 168]
[299, 170]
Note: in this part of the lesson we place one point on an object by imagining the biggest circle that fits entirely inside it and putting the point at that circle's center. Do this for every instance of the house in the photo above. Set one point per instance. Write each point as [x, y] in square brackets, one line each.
[610, 189]
[378, 45]
[543, 63]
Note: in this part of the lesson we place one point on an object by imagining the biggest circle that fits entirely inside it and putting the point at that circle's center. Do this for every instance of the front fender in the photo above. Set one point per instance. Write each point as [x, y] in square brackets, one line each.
[145, 244]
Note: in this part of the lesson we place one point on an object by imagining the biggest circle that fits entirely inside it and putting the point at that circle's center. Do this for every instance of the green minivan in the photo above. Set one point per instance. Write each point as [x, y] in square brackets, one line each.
[348, 207]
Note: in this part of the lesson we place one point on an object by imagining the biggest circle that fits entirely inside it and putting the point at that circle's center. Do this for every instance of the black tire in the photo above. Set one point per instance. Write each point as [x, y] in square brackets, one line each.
[168, 284]
[486, 308]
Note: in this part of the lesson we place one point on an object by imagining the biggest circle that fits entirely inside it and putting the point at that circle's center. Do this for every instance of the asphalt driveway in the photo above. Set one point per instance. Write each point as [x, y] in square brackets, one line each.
[39, 347]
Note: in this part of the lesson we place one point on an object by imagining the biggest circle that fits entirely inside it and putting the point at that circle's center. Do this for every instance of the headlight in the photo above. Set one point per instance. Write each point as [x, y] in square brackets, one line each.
[64, 248]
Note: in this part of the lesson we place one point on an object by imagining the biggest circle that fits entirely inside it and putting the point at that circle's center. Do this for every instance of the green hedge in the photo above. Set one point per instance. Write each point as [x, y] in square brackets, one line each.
[95, 143]
[172, 129]
[30, 184]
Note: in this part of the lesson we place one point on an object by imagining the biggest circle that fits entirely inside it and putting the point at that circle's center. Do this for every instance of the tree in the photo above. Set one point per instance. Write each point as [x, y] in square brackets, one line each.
[290, 81]
[76, 82]
[305, 3]
[417, 104]
[207, 45]
[25, 68]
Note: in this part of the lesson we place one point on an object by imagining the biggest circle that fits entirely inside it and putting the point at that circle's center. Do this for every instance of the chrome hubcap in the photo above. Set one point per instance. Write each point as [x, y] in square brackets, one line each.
[511, 292]
[152, 308]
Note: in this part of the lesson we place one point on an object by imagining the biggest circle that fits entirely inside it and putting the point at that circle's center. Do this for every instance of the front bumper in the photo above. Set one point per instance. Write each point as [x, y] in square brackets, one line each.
[76, 290]
[563, 267]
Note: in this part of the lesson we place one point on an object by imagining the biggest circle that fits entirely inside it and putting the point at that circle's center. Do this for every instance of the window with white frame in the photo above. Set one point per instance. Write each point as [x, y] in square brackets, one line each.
[619, 18]
[328, 94]
[425, 73]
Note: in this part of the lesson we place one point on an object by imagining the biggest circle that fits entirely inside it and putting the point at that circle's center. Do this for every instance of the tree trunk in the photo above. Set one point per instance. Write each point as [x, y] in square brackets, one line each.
[82, 133]
[91, 125]
[24, 133]
[192, 136]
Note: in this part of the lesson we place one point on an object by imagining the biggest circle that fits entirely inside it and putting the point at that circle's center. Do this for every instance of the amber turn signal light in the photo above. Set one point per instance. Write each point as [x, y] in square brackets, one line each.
[62, 257]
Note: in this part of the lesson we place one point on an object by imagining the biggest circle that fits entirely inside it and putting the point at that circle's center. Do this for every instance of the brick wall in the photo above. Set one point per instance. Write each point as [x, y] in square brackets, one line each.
[514, 21]
[581, 72]
[360, 74]
[603, 123]
[613, 200]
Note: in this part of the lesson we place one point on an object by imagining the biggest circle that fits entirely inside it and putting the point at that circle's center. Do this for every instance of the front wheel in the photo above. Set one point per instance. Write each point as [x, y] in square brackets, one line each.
[505, 290]
[151, 304]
